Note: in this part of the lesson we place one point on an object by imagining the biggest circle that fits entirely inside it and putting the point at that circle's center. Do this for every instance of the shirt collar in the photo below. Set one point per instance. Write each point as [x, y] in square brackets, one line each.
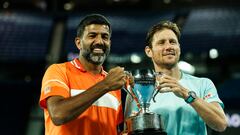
[76, 63]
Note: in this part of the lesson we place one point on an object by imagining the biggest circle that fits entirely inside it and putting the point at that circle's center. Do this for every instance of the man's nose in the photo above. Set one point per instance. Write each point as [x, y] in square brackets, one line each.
[168, 44]
[99, 40]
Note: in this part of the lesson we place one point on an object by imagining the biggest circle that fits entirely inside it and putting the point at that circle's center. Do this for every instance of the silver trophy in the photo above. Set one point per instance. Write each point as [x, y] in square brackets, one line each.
[145, 122]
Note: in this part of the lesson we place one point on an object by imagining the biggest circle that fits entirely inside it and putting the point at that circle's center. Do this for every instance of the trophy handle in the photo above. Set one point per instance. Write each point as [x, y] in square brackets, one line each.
[128, 93]
[155, 96]
[133, 98]
[157, 74]
[127, 87]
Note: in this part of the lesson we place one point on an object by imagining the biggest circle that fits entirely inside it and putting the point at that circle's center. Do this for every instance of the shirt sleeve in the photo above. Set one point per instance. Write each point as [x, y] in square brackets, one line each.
[54, 83]
[210, 93]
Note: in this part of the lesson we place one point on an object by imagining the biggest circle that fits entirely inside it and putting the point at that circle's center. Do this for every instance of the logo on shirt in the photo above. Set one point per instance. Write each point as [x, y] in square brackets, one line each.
[47, 90]
[209, 95]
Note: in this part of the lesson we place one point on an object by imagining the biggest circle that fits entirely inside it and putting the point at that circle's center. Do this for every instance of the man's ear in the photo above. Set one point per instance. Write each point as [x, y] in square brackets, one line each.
[180, 49]
[148, 51]
[78, 42]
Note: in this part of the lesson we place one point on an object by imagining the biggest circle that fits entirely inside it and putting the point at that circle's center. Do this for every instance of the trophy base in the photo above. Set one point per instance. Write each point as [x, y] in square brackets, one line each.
[145, 124]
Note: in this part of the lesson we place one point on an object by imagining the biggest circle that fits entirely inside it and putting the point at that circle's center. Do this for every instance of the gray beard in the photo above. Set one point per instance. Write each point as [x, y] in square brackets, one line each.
[96, 59]
[93, 58]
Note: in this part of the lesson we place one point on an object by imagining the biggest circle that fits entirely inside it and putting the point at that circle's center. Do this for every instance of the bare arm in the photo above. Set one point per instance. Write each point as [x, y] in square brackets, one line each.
[63, 110]
[212, 113]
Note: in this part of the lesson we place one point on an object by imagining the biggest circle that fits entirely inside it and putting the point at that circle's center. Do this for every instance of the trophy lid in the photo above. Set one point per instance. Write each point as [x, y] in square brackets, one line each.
[144, 76]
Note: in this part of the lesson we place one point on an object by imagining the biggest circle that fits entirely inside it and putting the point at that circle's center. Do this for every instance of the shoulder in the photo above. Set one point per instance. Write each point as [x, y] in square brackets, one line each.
[58, 68]
[199, 80]
[201, 84]
[192, 77]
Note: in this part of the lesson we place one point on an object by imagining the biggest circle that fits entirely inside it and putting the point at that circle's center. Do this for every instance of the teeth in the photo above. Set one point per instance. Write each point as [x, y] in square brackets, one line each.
[97, 50]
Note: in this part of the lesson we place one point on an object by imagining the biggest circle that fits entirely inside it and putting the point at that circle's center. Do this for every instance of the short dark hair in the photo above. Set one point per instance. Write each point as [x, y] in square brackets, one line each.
[92, 19]
[160, 26]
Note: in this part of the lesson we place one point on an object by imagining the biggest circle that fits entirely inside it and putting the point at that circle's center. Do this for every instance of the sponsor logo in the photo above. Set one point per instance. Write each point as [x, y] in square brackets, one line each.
[47, 90]
[209, 95]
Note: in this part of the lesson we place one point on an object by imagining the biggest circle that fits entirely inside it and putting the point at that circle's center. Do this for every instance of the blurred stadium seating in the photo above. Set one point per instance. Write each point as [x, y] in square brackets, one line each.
[24, 43]
[212, 28]
[24, 36]
[128, 30]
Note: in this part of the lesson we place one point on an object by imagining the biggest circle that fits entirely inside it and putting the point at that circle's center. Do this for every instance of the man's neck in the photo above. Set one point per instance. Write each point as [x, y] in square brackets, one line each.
[173, 72]
[95, 69]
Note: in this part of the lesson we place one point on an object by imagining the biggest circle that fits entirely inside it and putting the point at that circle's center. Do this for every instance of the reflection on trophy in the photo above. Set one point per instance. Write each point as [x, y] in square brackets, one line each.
[145, 122]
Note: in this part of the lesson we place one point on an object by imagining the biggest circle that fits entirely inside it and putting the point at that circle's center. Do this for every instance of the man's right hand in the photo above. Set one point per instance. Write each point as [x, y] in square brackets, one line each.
[115, 79]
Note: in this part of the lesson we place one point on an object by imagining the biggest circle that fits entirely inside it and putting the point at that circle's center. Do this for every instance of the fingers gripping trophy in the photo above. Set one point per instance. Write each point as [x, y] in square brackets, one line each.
[144, 122]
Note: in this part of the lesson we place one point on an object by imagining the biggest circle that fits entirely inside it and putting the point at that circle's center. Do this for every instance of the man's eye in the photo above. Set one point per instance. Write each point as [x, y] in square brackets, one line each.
[173, 42]
[160, 42]
[106, 37]
[91, 36]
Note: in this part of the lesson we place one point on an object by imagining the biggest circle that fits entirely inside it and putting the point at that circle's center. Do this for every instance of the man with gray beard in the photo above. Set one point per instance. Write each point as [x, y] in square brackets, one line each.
[78, 97]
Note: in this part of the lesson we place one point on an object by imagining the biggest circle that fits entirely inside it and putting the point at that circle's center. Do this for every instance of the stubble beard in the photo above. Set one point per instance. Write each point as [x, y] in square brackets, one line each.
[165, 64]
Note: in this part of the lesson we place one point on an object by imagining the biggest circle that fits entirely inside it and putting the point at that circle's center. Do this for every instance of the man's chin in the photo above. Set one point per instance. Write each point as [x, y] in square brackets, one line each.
[97, 60]
[170, 65]
[97, 54]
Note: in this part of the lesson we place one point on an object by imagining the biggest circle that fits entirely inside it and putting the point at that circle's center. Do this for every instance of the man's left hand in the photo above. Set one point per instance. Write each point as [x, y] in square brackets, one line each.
[169, 84]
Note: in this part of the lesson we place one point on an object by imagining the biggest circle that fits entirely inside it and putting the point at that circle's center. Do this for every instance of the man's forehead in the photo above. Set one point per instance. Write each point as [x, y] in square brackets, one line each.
[165, 33]
[97, 27]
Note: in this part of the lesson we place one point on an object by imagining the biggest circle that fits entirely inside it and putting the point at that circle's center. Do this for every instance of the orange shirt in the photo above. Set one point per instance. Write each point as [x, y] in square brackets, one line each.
[69, 79]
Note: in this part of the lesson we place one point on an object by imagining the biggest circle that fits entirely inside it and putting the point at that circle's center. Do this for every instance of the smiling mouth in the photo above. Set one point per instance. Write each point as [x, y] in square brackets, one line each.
[169, 55]
[97, 50]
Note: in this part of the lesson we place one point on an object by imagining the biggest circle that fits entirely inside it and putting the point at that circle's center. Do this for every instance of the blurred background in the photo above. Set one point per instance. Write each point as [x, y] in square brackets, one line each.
[37, 33]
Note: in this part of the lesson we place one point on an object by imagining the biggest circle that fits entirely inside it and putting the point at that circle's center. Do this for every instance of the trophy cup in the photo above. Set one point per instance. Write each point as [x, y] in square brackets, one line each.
[145, 122]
